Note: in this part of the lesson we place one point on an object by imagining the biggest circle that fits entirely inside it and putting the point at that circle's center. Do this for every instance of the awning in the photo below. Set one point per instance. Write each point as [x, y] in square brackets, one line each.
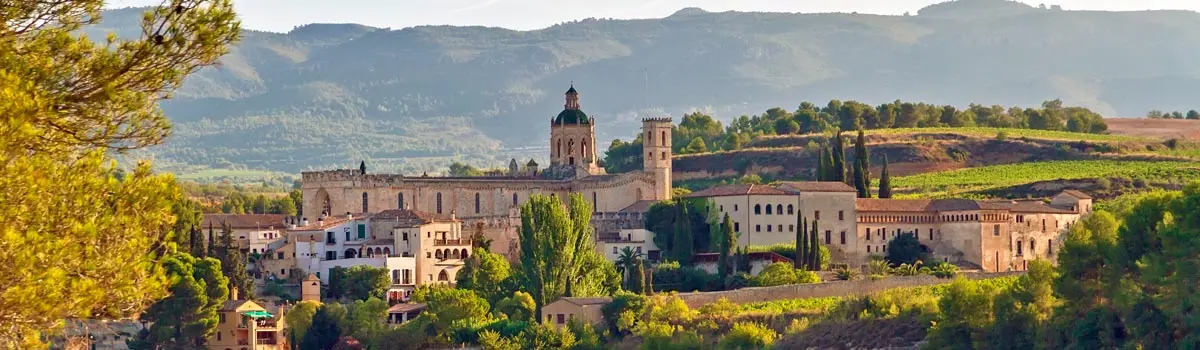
[258, 314]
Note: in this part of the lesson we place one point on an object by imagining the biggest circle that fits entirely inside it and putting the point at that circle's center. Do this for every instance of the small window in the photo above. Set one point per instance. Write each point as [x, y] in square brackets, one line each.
[737, 227]
[768, 209]
[1049, 247]
[791, 210]
[779, 209]
[664, 156]
[614, 250]
[757, 228]
[843, 237]
[562, 318]
[439, 202]
[817, 215]
[867, 232]
[768, 228]
[931, 234]
[791, 228]
[757, 209]
[1020, 248]
[514, 199]
[841, 215]
[996, 230]
[828, 236]
[735, 207]
[780, 227]
[721, 207]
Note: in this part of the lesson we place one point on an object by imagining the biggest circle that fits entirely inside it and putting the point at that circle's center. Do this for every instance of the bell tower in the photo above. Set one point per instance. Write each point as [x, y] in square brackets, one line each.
[573, 137]
[656, 143]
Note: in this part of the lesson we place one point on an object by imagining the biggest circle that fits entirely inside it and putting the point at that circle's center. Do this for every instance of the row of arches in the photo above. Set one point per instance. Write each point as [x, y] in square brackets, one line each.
[583, 147]
[438, 201]
[352, 253]
[662, 141]
[443, 254]
[778, 209]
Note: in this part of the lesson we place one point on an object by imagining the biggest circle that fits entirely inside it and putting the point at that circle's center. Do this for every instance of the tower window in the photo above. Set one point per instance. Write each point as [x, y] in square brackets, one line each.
[514, 199]
[791, 210]
[662, 141]
[400, 200]
[439, 202]
[364, 202]
[779, 209]
[595, 206]
[477, 203]
[650, 155]
[664, 156]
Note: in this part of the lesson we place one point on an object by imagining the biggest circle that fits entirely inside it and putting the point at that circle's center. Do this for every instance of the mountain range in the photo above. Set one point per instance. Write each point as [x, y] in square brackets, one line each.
[415, 98]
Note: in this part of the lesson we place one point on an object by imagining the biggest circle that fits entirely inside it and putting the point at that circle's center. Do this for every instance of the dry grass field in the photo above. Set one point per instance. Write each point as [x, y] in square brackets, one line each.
[1161, 128]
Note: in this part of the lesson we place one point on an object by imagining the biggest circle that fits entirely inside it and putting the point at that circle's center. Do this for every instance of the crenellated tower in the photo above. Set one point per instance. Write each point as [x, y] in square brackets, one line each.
[656, 143]
[573, 137]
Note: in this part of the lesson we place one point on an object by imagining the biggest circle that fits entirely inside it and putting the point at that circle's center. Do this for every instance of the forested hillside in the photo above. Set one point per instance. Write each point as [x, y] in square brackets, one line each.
[407, 99]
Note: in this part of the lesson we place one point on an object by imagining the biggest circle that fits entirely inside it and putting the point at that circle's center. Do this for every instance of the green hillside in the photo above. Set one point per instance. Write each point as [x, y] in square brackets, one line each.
[414, 98]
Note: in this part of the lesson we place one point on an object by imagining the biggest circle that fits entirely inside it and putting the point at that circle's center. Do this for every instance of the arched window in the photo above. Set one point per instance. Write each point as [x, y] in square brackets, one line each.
[514, 199]
[595, 208]
[364, 203]
[437, 254]
[456, 254]
[571, 147]
[779, 209]
[387, 251]
[476, 202]
[442, 276]
[558, 147]
[650, 155]
[757, 209]
[465, 253]
[768, 209]
[439, 202]
[650, 137]
[663, 140]
[583, 148]
[791, 210]
[400, 200]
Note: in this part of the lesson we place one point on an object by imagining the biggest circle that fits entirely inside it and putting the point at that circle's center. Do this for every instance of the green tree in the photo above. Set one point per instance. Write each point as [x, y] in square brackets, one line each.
[823, 165]
[365, 319]
[488, 274]
[786, 126]
[449, 305]
[862, 167]
[640, 281]
[518, 307]
[299, 318]
[324, 331]
[728, 240]
[965, 313]
[558, 255]
[187, 222]
[684, 248]
[801, 260]
[885, 180]
[625, 265]
[905, 249]
[695, 146]
[233, 264]
[464, 170]
[260, 205]
[814, 248]
[297, 200]
[838, 173]
[68, 102]
[1023, 310]
[189, 316]
[1193, 115]
[361, 282]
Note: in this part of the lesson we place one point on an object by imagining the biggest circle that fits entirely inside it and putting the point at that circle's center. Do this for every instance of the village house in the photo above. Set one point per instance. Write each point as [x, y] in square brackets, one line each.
[587, 310]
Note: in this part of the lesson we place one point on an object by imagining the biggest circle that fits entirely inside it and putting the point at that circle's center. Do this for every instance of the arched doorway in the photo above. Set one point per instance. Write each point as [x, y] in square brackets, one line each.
[324, 202]
[442, 276]
[351, 254]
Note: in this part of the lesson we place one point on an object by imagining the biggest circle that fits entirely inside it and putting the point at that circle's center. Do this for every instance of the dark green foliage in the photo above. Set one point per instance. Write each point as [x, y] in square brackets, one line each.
[323, 333]
[813, 258]
[233, 264]
[637, 283]
[838, 173]
[683, 247]
[361, 282]
[862, 167]
[188, 317]
[885, 181]
[662, 220]
[728, 240]
[905, 249]
[801, 242]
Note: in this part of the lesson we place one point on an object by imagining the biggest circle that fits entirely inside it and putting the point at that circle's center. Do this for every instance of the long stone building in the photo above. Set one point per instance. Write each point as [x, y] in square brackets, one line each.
[492, 203]
[990, 235]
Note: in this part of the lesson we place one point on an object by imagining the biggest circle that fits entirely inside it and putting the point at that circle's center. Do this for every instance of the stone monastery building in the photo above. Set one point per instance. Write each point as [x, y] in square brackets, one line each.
[492, 202]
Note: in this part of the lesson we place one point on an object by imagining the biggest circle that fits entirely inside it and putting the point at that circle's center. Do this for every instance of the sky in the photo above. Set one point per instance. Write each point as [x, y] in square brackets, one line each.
[283, 15]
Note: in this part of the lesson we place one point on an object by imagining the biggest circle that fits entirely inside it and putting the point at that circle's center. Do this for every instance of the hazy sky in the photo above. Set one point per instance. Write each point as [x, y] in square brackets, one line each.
[283, 15]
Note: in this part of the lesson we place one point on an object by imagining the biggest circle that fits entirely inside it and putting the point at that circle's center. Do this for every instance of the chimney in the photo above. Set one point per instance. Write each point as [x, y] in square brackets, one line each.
[233, 293]
[349, 216]
[321, 221]
[452, 216]
[304, 222]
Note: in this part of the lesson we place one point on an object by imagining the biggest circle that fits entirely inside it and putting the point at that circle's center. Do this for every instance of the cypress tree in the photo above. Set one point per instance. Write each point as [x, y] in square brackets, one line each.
[814, 248]
[637, 284]
[863, 161]
[822, 164]
[684, 244]
[210, 240]
[829, 169]
[726, 244]
[885, 183]
[839, 159]
[802, 243]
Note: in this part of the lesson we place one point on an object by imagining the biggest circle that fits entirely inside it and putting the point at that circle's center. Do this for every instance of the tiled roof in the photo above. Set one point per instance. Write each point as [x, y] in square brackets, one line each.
[1028, 207]
[405, 308]
[231, 305]
[955, 205]
[411, 217]
[639, 207]
[587, 301]
[915, 205]
[1077, 194]
[243, 221]
[736, 190]
[322, 224]
[817, 186]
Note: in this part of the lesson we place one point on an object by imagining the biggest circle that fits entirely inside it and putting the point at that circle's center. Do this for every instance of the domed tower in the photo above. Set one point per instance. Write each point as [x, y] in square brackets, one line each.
[573, 137]
[656, 142]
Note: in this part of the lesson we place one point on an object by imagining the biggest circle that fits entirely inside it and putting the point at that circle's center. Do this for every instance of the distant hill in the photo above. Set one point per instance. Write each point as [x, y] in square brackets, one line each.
[407, 99]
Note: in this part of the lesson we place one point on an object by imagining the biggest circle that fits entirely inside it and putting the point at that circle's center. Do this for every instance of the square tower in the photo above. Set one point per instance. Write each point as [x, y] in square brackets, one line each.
[656, 143]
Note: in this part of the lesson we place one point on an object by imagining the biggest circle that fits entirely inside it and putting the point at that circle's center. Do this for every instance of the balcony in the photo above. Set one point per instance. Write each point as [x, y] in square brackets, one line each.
[266, 342]
[459, 241]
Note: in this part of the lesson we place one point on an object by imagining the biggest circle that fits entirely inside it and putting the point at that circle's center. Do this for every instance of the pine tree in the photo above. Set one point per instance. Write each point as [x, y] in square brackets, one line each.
[885, 183]
[814, 248]
[324, 331]
[233, 264]
[863, 167]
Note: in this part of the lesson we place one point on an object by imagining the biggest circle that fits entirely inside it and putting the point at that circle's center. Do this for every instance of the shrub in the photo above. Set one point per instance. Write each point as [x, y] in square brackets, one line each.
[908, 269]
[748, 336]
[723, 310]
[615, 312]
[1172, 143]
[945, 270]
[779, 274]
[490, 340]
[846, 274]
[547, 337]
[586, 337]
[798, 325]
[878, 268]
[1001, 136]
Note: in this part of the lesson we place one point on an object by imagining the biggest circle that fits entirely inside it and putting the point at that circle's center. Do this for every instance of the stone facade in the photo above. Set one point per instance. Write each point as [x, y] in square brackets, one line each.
[492, 203]
[990, 235]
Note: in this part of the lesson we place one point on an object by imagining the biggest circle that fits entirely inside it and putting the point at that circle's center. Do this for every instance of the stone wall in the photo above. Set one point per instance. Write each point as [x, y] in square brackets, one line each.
[826, 289]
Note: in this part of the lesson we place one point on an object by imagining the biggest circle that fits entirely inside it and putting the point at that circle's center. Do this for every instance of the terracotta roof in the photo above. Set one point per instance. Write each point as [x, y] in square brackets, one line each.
[587, 301]
[244, 221]
[405, 308]
[328, 222]
[1029, 207]
[639, 207]
[411, 217]
[231, 305]
[817, 186]
[1077, 194]
[736, 190]
[916, 205]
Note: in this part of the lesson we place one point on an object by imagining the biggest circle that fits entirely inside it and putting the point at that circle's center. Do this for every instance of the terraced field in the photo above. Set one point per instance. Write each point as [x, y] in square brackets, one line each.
[958, 182]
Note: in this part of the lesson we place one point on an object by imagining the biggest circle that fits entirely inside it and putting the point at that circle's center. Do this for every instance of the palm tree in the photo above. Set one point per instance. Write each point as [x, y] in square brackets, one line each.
[626, 261]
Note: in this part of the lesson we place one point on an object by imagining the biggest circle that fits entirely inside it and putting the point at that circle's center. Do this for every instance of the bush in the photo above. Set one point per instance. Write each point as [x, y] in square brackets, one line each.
[944, 270]
[1001, 136]
[615, 312]
[779, 274]
[878, 268]
[846, 274]
[490, 340]
[748, 336]
[723, 310]
[798, 325]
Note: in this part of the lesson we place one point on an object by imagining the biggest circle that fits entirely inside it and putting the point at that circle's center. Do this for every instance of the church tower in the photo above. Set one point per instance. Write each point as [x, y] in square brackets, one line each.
[656, 142]
[573, 137]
